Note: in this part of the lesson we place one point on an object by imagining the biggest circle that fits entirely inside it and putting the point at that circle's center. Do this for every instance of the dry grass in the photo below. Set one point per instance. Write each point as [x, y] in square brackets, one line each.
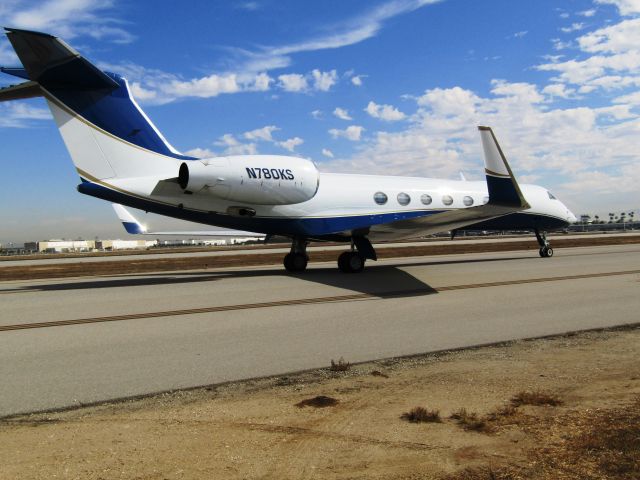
[377, 373]
[340, 366]
[612, 442]
[580, 445]
[321, 401]
[421, 415]
[535, 397]
[471, 421]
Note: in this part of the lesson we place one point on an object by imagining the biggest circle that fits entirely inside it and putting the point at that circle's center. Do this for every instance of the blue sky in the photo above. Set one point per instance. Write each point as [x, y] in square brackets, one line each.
[389, 86]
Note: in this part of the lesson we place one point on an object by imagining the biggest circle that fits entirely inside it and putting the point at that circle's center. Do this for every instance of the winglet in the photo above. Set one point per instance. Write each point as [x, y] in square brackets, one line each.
[131, 225]
[502, 185]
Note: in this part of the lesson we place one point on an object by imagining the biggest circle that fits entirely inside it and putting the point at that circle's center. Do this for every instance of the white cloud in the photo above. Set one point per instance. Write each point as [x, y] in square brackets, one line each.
[21, 114]
[153, 86]
[387, 113]
[200, 153]
[293, 82]
[291, 143]
[352, 132]
[205, 87]
[632, 99]
[612, 59]
[323, 81]
[316, 114]
[558, 145]
[520, 34]
[327, 153]
[625, 7]
[587, 13]
[559, 90]
[357, 80]
[261, 134]
[574, 27]
[68, 19]
[347, 32]
[232, 146]
[342, 114]
[262, 82]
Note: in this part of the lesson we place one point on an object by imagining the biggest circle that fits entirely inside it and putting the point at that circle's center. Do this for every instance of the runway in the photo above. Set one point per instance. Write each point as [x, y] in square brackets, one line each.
[72, 341]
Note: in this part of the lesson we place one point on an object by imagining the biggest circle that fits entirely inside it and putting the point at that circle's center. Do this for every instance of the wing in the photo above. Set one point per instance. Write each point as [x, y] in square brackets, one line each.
[134, 227]
[505, 197]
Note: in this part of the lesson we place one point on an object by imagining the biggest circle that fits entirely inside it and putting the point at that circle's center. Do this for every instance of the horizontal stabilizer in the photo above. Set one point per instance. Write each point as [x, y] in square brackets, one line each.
[16, 72]
[20, 91]
[52, 63]
[134, 227]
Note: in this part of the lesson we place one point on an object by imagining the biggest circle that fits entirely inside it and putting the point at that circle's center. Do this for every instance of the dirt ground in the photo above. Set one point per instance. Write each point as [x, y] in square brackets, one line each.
[586, 423]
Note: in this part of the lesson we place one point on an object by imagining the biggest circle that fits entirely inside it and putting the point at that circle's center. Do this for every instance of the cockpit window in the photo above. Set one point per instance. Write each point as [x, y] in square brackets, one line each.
[551, 196]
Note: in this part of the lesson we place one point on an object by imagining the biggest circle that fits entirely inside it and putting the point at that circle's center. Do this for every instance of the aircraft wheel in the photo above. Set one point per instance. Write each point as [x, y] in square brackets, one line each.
[295, 262]
[351, 262]
[546, 252]
[541, 251]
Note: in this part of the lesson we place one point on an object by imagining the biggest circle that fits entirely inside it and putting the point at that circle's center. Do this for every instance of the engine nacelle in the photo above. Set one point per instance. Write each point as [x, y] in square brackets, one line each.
[253, 179]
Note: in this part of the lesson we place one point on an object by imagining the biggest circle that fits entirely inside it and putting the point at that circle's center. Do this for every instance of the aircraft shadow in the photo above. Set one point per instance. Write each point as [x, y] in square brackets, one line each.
[382, 281]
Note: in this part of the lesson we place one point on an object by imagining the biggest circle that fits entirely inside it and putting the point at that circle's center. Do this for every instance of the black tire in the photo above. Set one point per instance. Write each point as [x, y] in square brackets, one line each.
[295, 262]
[549, 252]
[343, 262]
[351, 262]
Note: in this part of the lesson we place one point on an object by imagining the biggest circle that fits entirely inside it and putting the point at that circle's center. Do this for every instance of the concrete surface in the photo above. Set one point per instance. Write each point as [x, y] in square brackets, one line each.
[396, 307]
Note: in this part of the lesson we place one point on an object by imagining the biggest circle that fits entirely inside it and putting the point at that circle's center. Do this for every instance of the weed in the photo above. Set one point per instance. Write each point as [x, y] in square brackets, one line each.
[321, 401]
[420, 414]
[536, 397]
[340, 365]
[471, 421]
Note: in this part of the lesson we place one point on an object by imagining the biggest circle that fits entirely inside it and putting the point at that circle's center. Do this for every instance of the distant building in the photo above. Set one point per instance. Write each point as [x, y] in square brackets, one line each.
[61, 246]
[110, 245]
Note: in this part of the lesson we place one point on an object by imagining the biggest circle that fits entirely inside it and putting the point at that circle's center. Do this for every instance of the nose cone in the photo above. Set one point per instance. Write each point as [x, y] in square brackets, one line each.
[571, 218]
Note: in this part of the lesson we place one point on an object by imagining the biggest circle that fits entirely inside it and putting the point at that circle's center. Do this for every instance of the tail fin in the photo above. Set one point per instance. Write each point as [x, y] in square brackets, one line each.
[104, 129]
[502, 185]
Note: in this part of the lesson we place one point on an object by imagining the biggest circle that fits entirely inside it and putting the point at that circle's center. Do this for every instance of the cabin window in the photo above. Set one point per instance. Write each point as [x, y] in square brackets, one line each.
[426, 199]
[403, 198]
[447, 199]
[551, 196]
[380, 198]
[467, 200]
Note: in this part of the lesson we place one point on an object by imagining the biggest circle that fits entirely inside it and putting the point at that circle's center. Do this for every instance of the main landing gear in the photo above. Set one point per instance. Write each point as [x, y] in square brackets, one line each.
[545, 248]
[348, 262]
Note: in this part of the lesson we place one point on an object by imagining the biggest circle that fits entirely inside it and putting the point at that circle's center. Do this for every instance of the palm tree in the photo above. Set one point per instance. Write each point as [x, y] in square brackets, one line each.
[596, 218]
[611, 217]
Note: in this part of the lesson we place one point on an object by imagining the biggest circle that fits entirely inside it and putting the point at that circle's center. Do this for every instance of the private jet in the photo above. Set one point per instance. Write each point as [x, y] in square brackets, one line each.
[121, 157]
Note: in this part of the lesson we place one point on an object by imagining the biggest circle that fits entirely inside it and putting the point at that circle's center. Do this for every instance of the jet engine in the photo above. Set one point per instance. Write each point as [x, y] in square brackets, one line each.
[259, 179]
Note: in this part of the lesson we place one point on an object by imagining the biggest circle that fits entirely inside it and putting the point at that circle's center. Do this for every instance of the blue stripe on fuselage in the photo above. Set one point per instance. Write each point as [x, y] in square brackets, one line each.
[115, 112]
[307, 227]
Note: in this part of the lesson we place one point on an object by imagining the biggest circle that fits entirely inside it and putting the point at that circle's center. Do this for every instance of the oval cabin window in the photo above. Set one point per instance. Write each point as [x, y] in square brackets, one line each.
[447, 199]
[467, 200]
[426, 199]
[403, 198]
[380, 198]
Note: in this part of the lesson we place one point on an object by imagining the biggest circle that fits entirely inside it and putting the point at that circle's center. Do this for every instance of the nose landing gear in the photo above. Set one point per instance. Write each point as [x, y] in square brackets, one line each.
[545, 248]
